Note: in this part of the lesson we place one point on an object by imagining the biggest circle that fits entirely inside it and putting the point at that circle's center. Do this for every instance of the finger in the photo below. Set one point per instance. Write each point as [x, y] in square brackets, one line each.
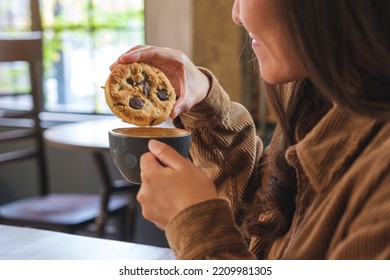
[181, 106]
[153, 56]
[168, 156]
[160, 226]
[150, 210]
[118, 61]
[134, 54]
[148, 162]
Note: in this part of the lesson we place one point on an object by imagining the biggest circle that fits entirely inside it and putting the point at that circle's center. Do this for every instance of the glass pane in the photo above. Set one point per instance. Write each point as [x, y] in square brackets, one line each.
[82, 38]
[15, 86]
[68, 71]
[118, 14]
[15, 15]
[14, 78]
[64, 14]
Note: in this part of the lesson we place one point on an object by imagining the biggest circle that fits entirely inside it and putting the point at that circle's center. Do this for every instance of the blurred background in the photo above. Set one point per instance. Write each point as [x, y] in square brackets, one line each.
[81, 38]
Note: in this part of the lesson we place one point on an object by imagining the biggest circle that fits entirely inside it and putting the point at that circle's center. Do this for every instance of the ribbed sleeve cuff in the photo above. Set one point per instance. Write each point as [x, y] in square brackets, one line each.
[206, 230]
[211, 110]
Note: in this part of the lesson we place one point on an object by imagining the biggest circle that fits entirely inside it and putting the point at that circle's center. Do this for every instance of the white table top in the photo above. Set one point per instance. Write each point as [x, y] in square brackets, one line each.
[86, 135]
[18, 243]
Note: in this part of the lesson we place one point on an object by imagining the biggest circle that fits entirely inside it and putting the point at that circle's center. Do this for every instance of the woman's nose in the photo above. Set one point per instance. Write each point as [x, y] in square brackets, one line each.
[236, 12]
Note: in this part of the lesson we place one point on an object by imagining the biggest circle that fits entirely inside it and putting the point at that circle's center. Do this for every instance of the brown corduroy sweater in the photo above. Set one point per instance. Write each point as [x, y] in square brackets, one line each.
[343, 198]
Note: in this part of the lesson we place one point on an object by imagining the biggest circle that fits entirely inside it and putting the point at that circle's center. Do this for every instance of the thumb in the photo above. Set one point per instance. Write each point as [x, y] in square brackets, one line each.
[178, 108]
[167, 155]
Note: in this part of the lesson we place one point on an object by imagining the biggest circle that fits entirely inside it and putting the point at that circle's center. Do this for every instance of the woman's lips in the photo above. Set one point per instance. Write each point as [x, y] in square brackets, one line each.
[255, 41]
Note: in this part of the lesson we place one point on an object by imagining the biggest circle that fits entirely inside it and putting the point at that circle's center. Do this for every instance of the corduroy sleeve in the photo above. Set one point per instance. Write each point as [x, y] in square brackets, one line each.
[225, 146]
[214, 110]
[224, 143]
[207, 231]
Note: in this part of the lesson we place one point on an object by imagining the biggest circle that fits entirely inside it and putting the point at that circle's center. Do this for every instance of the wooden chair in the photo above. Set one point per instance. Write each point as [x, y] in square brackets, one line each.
[66, 212]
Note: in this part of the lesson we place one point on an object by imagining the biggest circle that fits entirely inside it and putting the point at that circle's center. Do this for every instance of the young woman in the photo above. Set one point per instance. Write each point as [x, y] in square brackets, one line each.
[321, 189]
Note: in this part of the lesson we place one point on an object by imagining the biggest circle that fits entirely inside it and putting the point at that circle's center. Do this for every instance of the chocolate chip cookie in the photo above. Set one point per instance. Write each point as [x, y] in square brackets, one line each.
[139, 94]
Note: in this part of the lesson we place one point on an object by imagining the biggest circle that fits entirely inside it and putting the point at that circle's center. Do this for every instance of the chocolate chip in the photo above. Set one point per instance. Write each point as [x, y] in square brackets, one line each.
[152, 122]
[136, 103]
[144, 81]
[146, 90]
[130, 81]
[162, 94]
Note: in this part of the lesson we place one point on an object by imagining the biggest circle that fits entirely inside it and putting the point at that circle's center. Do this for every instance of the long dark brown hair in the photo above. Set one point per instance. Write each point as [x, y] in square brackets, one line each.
[344, 45]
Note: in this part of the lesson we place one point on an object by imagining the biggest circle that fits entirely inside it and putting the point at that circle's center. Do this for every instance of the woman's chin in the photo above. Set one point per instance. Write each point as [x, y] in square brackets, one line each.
[276, 77]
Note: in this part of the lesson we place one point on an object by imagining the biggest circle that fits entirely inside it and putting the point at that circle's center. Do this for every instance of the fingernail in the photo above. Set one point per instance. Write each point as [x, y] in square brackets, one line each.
[177, 112]
[112, 66]
[153, 144]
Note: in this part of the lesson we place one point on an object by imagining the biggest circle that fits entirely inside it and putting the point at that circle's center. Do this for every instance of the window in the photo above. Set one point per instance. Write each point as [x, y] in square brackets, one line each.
[81, 39]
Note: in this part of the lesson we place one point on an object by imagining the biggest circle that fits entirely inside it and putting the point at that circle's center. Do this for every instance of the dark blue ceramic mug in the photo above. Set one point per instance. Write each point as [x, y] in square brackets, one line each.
[127, 145]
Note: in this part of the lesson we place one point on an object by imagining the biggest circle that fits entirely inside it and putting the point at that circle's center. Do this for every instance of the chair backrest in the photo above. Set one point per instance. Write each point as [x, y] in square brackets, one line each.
[36, 21]
[26, 47]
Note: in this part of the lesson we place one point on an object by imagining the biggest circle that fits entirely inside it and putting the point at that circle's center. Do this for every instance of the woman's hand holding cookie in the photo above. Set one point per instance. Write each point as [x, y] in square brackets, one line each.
[146, 80]
[190, 84]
